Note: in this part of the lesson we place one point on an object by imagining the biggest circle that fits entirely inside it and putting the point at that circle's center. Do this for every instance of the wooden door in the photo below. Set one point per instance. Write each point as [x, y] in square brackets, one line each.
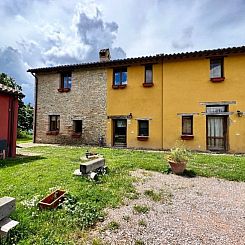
[217, 133]
[120, 132]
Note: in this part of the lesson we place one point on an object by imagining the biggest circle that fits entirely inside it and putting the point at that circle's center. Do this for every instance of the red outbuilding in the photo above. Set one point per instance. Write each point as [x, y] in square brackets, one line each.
[8, 119]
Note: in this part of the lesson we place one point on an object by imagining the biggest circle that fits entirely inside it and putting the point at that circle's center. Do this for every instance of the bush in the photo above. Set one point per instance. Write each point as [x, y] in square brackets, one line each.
[23, 134]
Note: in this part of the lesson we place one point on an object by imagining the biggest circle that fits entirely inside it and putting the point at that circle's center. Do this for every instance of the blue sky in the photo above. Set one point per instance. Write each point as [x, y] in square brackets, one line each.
[38, 33]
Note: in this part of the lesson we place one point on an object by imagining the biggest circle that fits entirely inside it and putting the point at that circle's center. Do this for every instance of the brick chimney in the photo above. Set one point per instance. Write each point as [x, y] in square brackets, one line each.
[104, 55]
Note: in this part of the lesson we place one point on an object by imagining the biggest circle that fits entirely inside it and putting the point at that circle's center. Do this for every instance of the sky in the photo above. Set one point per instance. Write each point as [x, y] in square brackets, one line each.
[41, 33]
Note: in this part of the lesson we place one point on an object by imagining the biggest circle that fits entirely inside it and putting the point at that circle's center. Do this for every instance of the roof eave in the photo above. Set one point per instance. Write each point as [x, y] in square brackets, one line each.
[144, 59]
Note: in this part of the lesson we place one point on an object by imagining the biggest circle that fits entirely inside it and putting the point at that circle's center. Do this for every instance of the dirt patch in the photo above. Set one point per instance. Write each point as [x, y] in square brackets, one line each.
[31, 144]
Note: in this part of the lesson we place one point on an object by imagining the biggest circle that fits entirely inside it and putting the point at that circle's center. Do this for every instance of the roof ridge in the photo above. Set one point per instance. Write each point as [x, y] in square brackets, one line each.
[205, 53]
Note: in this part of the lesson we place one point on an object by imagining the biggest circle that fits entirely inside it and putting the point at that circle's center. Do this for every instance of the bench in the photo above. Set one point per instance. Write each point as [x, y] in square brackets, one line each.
[92, 165]
[7, 206]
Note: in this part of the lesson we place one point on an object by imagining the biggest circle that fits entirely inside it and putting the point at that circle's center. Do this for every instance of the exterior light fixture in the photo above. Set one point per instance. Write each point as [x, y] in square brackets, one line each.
[130, 115]
[239, 113]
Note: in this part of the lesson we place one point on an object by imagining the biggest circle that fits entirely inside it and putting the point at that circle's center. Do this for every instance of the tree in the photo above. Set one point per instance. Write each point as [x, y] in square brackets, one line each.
[25, 113]
[9, 81]
[25, 119]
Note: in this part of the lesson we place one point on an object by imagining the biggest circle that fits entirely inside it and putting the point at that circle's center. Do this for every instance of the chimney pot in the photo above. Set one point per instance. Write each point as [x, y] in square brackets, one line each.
[104, 55]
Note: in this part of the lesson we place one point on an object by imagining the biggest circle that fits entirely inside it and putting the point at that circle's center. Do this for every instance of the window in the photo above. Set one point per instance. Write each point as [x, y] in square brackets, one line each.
[187, 125]
[148, 74]
[216, 69]
[54, 123]
[66, 79]
[216, 109]
[77, 126]
[143, 126]
[120, 77]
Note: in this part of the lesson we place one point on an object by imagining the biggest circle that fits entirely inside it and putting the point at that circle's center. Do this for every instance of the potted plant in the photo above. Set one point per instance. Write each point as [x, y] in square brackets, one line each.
[178, 158]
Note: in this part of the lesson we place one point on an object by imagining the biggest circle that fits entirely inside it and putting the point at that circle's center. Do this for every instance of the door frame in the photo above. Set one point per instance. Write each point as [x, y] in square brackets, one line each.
[225, 132]
[114, 121]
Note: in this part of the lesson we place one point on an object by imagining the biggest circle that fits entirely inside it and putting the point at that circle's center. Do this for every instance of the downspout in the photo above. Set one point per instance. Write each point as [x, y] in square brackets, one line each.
[162, 104]
[35, 109]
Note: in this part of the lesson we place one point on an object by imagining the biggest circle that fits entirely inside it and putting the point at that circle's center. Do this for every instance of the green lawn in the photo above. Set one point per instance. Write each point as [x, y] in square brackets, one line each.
[27, 138]
[28, 179]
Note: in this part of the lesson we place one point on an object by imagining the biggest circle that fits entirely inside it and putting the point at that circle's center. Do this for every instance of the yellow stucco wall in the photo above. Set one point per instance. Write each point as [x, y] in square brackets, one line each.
[141, 102]
[179, 87]
[186, 84]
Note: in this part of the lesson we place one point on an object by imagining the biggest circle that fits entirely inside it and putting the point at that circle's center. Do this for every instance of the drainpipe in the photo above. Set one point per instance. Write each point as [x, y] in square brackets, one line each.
[162, 104]
[35, 109]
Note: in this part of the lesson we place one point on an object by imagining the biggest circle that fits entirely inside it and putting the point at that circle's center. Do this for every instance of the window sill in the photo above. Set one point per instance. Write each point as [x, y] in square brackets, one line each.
[119, 86]
[142, 138]
[187, 136]
[217, 79]
[52, 132]
[63, 90]
[76, 135]
[147, 85]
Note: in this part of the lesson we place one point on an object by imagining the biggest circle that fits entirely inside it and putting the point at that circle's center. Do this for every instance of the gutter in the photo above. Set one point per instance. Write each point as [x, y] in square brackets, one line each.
[35, 110]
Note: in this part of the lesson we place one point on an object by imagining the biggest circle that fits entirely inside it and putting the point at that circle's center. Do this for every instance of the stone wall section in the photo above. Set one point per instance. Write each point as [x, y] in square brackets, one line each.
[85, 101]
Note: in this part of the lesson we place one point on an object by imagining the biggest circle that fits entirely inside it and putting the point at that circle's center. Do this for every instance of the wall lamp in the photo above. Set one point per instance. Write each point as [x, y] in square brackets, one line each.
[130, 115]
[239, 113]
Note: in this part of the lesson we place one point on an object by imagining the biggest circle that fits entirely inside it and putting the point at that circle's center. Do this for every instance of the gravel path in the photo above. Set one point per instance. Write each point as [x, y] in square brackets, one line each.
[31, 144]
[185, 211]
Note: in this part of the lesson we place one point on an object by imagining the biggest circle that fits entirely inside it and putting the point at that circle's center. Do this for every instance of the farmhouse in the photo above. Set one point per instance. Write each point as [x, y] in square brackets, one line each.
[146, 102]
[8, 120]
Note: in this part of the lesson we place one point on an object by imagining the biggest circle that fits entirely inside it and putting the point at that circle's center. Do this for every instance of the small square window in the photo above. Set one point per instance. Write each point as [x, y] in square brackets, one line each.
[148, 74]
[216, 68]
[187, 125]
[66, 80]
[77, 126]
[120, 76]
[54, 123]
[143, 126]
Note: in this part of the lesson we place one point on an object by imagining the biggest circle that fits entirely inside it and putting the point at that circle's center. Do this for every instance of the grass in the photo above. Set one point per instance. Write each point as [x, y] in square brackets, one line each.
[30, 178]
[25, 139]
[141, 209]
[113, 225]
[155, 196]
[139, 242]
[142, 223]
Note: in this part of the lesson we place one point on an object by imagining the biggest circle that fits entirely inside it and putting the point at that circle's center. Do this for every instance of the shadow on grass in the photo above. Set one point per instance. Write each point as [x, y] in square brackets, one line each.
[187, 173]
[20, 159]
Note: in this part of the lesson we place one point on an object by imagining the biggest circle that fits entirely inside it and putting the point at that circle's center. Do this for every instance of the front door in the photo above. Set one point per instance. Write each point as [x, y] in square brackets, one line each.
[120, 132]
[217, 133]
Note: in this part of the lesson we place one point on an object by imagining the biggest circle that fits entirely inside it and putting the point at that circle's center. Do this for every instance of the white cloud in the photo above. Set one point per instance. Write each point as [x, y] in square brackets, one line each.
[50, 32]
[63, 35]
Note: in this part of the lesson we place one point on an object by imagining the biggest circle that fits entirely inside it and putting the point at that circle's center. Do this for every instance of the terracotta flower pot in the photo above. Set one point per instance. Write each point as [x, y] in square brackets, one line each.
[52, 200]
[177, 167]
